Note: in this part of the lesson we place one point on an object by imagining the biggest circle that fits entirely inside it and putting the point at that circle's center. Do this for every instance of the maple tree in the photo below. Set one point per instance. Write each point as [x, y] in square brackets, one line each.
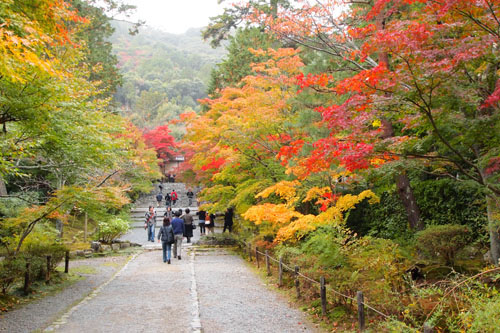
[418, 84]
[160, 139]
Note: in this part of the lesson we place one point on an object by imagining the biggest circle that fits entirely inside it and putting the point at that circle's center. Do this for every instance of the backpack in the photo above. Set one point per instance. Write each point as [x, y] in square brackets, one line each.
[159, 197]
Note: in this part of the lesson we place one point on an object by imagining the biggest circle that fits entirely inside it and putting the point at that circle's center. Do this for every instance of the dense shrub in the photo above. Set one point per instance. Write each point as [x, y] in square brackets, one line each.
[442, 241]
[441, 201]
[112, 229]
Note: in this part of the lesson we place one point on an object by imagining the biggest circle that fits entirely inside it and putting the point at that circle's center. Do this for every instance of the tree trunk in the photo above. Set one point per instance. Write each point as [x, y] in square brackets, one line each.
[493, 210]
[3, 188]
[274, 8]
[405, 193]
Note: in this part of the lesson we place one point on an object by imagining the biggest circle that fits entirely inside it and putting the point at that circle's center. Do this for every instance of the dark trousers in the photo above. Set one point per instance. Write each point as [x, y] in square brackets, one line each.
[202, 227]
[229, 227]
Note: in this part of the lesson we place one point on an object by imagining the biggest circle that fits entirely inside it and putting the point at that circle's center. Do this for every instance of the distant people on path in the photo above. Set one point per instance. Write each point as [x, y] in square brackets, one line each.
[228, 220]
[168, 213]
[174, 197]
[171, 178]
[166, 234]
[178, 227]
[188, 225]
[159, 198]
[190, 196]
[161, 187]
[168, 200]
[150, 224]
[201, 221]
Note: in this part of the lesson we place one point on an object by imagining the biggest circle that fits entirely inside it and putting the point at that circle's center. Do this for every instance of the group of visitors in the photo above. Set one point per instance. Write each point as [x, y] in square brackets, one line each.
[175, 227]
[172, 197]
[206, 222]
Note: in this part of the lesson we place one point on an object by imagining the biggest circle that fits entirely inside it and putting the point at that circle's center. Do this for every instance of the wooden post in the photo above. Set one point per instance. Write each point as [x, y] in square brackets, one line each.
[257, 256]
[249, 251]
[268, 266]
[428, 328]
[297, 283]
[47, 275]
[280, 272]
[66, 263]
[27, 279]
[85, 228]
[323, 295]
[361, 310]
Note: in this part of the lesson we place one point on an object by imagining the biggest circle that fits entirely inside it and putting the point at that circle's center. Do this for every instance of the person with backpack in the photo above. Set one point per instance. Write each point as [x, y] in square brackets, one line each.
[174, 197]
[188, 225]
[178, 227]
[150, 224]
[168, 200]
[190, 196]
[159, 198]
[166, 234]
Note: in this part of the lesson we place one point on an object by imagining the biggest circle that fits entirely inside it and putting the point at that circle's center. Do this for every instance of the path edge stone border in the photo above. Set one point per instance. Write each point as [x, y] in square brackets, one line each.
[62, 320]
[196, 322]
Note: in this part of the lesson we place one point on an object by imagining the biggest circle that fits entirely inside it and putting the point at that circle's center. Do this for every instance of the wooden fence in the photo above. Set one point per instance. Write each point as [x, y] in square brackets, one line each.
[27, 276]
[282, 268]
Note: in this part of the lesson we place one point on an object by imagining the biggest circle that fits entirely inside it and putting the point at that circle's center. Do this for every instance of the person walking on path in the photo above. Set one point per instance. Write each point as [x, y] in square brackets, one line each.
[211, 223]
[201, 221]
[159, 198]
[166, 234]
[150, 224]
[168, 200]
[188, 225]
[228, 220]
[174, 197]
[168, 213]
[161, 186]
[190, 196]
[178, 227]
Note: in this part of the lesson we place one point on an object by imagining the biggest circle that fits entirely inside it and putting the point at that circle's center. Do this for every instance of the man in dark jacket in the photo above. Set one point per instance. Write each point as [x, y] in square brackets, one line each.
[159, 198]
[201, 221]
[190, 196]
[178, 227]
[228, 220]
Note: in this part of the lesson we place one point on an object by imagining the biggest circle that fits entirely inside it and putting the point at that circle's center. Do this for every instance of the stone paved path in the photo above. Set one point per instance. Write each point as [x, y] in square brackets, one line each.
[212, 291]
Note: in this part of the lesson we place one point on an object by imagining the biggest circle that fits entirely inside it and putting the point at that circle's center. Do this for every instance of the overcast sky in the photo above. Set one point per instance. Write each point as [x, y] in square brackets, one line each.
[176, 16]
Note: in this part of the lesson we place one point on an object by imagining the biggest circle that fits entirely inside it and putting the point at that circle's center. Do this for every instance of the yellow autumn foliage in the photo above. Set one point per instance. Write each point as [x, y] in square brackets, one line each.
[316, 192]
[275, 214]
[295, 225]
[285, 189]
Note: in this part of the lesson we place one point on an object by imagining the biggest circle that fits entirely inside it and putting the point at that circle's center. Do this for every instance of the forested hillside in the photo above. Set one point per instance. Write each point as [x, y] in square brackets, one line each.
[163, 74]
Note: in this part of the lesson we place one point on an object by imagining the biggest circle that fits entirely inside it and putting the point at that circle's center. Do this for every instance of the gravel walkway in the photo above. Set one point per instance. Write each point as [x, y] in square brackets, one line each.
[41, 313]
[147, 296]
[233, 299]
[209, 290]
